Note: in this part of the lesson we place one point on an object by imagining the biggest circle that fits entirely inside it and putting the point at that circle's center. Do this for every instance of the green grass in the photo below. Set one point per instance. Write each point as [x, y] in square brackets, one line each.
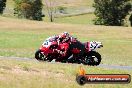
[22, 38]
[28, 74]
[80, 19]
[66, 3]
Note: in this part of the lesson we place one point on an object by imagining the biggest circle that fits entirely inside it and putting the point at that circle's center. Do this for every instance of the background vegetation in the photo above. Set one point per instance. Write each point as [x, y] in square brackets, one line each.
[72, 11]
[21, 38]
[2, 6]
[111, 12]
[29, 9]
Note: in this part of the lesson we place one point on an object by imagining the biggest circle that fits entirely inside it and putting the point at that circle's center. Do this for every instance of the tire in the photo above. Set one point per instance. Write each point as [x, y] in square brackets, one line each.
[40, 56]
[93, 58]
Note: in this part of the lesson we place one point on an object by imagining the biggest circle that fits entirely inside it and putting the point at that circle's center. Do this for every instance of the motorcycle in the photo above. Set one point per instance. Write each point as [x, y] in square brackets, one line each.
[52, 50]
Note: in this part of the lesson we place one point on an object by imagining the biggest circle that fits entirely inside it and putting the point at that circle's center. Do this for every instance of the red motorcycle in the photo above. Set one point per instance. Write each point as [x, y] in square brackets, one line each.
[52, 50]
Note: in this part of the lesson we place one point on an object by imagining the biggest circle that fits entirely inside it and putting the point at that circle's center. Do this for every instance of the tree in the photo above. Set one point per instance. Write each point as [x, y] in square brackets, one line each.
[29, 9]
[51, 8]
[130, 19]
[2, 6]
[37, 10]
[54, 7]
[111, 12]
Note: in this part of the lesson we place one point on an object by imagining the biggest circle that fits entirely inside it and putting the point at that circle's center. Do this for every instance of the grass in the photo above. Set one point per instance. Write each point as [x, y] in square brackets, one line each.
[86, 19]
[28, 74]
[66, 3]
[80, 19]
[22, 38]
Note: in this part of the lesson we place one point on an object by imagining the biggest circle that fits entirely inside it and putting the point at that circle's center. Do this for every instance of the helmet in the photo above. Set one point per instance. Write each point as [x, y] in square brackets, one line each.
[64, 36]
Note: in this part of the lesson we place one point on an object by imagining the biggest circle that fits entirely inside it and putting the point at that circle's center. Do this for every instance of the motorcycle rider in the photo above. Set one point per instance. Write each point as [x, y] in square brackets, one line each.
[65, 37]
[62, 38]
[59, 40]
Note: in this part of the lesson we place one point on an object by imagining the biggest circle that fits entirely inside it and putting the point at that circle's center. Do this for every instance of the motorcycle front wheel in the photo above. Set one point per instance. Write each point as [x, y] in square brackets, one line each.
[40, 56]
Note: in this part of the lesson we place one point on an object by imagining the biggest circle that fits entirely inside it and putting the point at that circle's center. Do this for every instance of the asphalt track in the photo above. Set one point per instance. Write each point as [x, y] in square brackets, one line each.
[101, 65]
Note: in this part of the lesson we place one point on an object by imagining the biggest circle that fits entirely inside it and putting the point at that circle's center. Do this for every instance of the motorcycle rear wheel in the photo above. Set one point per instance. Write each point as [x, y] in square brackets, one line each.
[93, 58]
